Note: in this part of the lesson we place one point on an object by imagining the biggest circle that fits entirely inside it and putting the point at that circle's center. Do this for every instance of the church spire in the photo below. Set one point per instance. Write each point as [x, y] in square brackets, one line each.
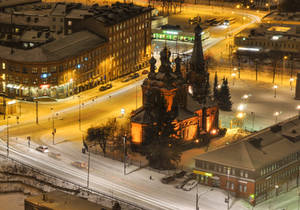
[197, 61]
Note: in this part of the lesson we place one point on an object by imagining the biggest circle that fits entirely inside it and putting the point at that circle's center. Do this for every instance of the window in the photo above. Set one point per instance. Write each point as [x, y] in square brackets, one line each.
[69, 23]
[34, 70]
[3, 65]
[44, 69]
[241, 173]
[232, 185]
[241, 188]
[246, 174]
[245, 188]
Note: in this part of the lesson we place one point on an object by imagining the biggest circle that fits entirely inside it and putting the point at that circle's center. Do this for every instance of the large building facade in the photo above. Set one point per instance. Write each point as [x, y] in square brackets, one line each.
[197, 113]
[60, 49]
[257, 168]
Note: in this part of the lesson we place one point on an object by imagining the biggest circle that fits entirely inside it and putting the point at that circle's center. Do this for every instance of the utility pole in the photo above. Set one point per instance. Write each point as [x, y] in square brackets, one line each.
[53, 128]
[37, 112]
[88, 177]
[79, 112]
[7, 136]
[124, 142]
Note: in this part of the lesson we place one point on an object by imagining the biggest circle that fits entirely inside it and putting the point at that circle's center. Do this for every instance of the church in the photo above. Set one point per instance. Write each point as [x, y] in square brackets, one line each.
[197, 113]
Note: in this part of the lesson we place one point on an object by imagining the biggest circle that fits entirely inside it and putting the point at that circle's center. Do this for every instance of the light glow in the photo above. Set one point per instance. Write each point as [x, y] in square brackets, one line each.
[249, 49]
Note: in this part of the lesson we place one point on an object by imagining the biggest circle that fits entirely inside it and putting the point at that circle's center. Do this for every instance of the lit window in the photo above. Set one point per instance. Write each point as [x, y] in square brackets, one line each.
[3, 65]
[69, 23]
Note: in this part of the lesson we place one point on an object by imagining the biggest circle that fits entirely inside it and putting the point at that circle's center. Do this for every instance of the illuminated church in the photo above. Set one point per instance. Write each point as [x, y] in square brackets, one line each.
[197, 113]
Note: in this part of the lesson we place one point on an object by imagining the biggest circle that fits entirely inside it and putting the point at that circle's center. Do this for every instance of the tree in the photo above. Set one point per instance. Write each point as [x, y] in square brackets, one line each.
[216, 89]
[290, 6]
[162, 147]
[225, 103]
[102, 133]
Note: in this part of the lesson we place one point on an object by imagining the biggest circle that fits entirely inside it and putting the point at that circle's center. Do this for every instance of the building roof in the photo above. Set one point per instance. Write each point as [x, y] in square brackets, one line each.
[55, 50]
[58, 200]
[260, 149]
[12, 3]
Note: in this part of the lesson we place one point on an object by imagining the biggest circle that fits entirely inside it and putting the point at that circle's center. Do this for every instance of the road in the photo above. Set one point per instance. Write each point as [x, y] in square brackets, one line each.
[106, 174]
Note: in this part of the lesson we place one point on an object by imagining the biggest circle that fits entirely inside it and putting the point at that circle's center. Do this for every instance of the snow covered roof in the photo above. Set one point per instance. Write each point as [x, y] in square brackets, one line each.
[56, 50]
[260, 149]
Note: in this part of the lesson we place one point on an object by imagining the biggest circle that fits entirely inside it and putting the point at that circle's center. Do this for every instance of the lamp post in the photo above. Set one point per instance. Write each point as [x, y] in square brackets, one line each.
[275, 88]
[283, 67]
[124, 143]
[276, 114]
[298, 108]
[53, 128]
[37, 112]
[291, 83]
[7, 136]
[79, 112]
[233, 78]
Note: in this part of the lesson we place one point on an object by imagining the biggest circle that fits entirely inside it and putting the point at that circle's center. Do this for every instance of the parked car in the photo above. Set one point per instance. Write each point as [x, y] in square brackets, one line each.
[180, 174]
[168, 179]
[145, 72]
[42, 149]
[102, 88]
[108, 86]
[135, 75]
[126, 79]
[105, 87]
[79, 164]
[190, 185]
[195, 20]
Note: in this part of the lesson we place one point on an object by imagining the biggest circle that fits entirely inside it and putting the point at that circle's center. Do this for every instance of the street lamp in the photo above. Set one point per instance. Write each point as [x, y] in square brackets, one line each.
[7, 136]
[124, 144]
[79, 112]
[53, 128]
[298, 108]
[245, 97]
[291, 81]
[241, 107]
[276, 114]
[233, 76]
[275, 88]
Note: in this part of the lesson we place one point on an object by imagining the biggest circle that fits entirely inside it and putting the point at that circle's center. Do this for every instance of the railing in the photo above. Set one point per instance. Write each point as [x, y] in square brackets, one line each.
[73, 183]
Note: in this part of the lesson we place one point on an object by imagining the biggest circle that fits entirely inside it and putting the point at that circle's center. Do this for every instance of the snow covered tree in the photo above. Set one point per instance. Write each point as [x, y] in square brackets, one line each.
[225, 103]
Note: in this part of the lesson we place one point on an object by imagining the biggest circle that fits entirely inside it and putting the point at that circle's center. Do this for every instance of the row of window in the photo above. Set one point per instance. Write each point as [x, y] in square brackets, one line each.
[275, 179]
[268, 43]
[222, 169]
[274, 166]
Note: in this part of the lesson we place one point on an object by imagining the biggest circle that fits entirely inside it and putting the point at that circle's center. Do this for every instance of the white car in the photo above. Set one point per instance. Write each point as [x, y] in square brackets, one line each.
[190, 185]
[42, 149]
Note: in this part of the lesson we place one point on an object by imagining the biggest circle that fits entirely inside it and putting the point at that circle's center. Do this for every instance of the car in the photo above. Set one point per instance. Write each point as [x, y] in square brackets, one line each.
[102, 88]
[135, 75]
[108, 86]
[80, 164]
[195, 20]
[168, 179]
[42, 149]
[145, 72]
[190, 185]
[180, 174]
[126, 79]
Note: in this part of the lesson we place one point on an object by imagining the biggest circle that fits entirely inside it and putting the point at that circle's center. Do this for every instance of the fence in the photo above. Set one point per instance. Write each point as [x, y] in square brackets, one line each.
[77, 186]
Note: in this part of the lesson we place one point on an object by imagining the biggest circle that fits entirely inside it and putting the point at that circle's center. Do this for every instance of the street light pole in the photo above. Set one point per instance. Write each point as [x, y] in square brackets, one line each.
[37, 112]
[53, 129]
[79, 113]
[88, 177]
[275, 87]
[124, 142]
[7, 136]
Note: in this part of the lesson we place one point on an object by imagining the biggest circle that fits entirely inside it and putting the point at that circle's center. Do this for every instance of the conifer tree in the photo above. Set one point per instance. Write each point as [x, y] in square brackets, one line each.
[216, 90]
[225, 103]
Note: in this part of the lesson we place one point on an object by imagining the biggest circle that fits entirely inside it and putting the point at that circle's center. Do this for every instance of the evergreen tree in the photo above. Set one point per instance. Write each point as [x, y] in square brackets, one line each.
[216, 90]
[225, 103]
[162, 147]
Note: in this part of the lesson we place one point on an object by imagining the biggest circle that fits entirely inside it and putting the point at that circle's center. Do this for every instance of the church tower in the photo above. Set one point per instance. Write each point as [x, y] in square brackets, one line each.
[197, 76]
